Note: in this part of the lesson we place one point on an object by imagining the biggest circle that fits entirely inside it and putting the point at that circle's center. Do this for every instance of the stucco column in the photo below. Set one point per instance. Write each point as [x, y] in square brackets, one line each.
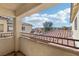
[17, 29]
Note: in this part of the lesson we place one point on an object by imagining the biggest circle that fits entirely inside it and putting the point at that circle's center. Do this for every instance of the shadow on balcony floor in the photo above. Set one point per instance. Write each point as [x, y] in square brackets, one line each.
[17, 54]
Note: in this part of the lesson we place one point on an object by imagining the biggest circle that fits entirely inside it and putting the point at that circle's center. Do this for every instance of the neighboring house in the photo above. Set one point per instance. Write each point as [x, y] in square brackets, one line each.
[27, 28]
[75, 23]
[3, 25]
[38, 30]
[6, 24]
[75, 26]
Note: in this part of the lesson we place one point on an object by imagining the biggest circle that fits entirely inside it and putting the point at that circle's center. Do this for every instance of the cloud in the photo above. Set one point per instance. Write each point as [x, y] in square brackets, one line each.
[34, 15]
[38, 19]
[61, 15]
[44, 15]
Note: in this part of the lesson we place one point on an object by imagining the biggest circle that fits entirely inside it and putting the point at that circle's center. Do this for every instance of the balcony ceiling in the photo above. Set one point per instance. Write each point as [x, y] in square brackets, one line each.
[15, 6]
[20, 8]
[10, 6]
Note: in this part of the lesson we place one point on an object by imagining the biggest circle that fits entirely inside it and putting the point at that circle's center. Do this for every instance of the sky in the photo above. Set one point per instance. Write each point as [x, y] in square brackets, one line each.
[59, 15]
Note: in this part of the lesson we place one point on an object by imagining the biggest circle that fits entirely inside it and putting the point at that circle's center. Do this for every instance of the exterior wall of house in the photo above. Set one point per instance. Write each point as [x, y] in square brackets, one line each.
[4, 23]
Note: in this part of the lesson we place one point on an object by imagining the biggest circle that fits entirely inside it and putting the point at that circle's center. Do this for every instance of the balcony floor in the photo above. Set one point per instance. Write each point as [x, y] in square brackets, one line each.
[17, 54]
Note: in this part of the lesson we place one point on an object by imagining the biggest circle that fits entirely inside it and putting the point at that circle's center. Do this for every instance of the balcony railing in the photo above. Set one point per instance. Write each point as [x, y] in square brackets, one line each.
[68, 42]
[3, 35]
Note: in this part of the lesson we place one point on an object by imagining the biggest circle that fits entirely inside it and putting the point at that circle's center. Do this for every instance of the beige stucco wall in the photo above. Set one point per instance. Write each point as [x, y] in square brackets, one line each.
[6, 45]
[31, 48]
[4, 22]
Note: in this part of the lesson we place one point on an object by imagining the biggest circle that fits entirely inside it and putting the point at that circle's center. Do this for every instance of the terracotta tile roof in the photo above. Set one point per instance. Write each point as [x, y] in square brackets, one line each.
[60, 33]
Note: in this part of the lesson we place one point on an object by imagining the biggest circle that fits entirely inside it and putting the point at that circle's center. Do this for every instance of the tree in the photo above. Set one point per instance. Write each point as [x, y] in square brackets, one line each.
[64, 27]
[47, 26]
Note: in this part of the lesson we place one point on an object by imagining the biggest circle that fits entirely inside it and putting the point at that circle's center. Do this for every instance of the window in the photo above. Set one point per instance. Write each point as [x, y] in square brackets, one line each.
[9, 27]
[75, 24]
[1, 27]
[23, 28]
[10, 24]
